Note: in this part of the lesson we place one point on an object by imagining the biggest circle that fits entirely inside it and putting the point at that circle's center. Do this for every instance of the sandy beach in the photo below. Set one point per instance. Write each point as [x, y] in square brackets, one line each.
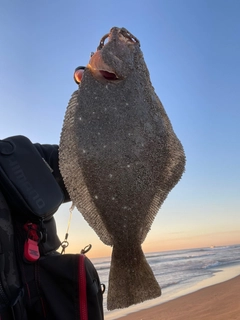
[217, 302]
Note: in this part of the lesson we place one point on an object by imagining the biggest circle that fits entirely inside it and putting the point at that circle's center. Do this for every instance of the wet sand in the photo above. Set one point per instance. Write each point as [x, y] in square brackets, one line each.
[217, 302]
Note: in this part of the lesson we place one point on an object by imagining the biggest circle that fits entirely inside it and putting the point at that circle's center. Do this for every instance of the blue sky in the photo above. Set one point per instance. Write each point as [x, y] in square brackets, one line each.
[192, 50]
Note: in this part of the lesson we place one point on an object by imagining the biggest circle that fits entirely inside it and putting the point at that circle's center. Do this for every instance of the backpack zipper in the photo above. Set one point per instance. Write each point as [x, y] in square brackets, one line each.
[82, 289]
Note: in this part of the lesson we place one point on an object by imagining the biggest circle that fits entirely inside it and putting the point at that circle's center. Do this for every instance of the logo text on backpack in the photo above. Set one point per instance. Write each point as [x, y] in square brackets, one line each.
[25, 184]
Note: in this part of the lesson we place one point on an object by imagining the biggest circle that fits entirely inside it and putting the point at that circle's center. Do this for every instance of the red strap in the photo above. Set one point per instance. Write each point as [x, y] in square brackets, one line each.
[82, 289]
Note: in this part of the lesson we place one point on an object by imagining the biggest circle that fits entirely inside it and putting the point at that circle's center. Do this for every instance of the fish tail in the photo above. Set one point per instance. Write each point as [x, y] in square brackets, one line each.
[131, 280]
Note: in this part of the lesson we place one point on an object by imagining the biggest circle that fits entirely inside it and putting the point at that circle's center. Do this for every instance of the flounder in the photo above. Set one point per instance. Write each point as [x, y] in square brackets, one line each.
[119, 158]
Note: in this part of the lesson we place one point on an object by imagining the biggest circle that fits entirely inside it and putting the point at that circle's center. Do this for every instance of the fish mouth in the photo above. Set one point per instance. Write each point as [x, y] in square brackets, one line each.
[102, 70]
[108, 75]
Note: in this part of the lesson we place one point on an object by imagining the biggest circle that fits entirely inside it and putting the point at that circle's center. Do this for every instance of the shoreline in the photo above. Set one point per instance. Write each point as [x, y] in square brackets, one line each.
[225, 277]
[216, 302]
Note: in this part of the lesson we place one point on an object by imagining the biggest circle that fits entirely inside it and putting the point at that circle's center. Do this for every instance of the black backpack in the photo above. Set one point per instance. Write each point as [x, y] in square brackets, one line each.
[36, 283]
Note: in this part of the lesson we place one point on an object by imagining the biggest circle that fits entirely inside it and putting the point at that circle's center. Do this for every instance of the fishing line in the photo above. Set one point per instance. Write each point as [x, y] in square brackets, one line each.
[65, 243]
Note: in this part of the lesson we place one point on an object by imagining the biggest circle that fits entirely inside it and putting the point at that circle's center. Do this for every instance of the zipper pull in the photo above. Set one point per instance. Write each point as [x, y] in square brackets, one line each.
[31, 250]
[34, 237]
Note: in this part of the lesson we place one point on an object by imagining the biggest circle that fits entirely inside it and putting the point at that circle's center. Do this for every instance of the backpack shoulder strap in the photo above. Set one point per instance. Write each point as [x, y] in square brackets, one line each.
[10, 284]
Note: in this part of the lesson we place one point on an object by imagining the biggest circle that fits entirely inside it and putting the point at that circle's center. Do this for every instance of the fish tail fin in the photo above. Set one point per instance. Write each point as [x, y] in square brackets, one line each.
[131, 280]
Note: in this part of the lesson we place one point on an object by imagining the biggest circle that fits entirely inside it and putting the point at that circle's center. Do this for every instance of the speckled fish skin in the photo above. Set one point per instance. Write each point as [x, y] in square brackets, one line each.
[119, 158]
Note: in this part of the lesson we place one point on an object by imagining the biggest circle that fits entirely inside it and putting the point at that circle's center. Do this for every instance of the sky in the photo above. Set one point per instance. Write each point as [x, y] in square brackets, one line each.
[192, 50]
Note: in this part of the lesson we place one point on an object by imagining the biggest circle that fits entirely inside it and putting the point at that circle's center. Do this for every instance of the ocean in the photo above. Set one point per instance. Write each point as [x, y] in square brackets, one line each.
[177, 272]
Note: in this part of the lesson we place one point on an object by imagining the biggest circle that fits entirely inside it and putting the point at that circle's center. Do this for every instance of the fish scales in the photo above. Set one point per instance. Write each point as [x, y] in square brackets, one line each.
[119, 158]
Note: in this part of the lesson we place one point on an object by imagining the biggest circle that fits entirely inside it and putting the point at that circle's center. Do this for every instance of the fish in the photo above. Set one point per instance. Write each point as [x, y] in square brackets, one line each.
[119, 158]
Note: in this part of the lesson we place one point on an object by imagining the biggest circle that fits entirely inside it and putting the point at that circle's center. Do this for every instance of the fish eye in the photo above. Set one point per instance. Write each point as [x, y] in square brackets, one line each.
[78, 74]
